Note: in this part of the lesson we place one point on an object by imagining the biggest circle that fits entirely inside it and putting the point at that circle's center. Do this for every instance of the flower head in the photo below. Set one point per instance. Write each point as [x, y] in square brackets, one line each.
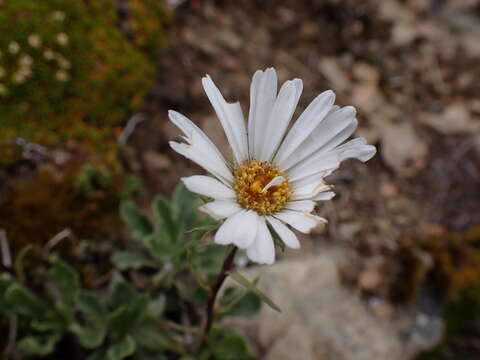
[277, 175]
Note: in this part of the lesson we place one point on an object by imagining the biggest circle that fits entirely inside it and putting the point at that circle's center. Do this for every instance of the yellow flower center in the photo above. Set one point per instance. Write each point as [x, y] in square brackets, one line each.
[251, 178]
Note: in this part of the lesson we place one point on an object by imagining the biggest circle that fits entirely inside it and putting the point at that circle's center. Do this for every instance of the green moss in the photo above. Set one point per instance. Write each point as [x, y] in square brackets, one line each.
[67, 72]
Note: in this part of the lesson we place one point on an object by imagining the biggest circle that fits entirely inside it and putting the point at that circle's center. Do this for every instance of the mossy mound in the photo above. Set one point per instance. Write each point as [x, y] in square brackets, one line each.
[67, 71]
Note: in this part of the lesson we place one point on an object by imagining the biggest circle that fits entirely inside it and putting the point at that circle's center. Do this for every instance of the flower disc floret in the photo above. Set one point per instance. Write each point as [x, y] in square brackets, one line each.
[250, 185]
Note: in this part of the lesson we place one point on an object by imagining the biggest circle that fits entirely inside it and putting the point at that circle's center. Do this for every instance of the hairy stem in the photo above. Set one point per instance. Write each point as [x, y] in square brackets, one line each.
[226, 267]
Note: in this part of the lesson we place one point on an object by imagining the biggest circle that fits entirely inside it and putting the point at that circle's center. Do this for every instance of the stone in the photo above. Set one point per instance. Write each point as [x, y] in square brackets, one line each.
[403, 149]
[321, 319]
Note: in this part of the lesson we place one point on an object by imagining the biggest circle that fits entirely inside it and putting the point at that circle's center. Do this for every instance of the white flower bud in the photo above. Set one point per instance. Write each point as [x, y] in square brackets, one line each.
[61, 76]
[62, 39]
[48, 54]
[13, 47]
[34, 40]
[3, 90]
[58, 15]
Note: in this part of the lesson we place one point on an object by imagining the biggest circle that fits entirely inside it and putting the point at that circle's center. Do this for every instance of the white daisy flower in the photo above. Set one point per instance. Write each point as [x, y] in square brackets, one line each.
[277, 175]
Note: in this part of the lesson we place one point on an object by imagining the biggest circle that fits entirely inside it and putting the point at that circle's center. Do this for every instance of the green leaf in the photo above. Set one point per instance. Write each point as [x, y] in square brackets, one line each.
[5, 282]
[231, 347]
[153, 337]
[47, 325]
[67, 280]
[210, 260]
[137, 223]
[18, 265]
[122, 349]
[251, 286]
[184, 206]
[90, 336]
[118, 321]
[91, 306]
[38, 345]
[240, 303]
[97, 355]
[156, 307]
[125, 260]
[23, 302]
[121, 292]
[127, 317]
[93, 333]
[163, 212]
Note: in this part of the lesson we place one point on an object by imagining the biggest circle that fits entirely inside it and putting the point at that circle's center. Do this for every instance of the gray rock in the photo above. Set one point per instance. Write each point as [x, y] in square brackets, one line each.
[321, 319]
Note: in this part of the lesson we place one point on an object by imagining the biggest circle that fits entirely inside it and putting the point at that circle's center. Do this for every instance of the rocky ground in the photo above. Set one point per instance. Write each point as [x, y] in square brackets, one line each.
[410, 68]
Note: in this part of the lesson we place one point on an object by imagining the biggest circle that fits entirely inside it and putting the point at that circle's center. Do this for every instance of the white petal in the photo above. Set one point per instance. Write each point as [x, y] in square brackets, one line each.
[309, 190]
[341, 136]
[231, 118]
[200, 148]
[315, 164]
[321, 162]
[327, 195]
[280, 117]
[306, 123]
[208, 186]
[303, 222]
[263, 92]
[300, 205]
[220, 209]
[239, 229]
[336, 124]
[262, 250]
[277, 180]
[287, 235]
[253, 253]
[357, 149]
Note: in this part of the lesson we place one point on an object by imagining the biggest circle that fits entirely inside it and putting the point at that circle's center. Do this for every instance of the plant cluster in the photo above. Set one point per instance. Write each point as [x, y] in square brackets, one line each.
[67, 71]
[155, 301]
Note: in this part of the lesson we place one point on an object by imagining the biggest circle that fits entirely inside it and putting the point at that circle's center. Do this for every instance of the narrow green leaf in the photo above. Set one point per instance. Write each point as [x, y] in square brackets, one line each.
[5, 282]
[137, 223]
[67, 281]
[18, 265]
[23, 302]
[152, 337]
[66, 277]
[89, 336]
[122, 349]
[47, 325]
[41, 346]
[251, 286]
[161, 208]
[125, 260]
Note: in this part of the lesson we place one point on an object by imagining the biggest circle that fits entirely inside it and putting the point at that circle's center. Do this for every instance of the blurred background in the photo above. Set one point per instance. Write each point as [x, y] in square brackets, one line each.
[84, 91]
